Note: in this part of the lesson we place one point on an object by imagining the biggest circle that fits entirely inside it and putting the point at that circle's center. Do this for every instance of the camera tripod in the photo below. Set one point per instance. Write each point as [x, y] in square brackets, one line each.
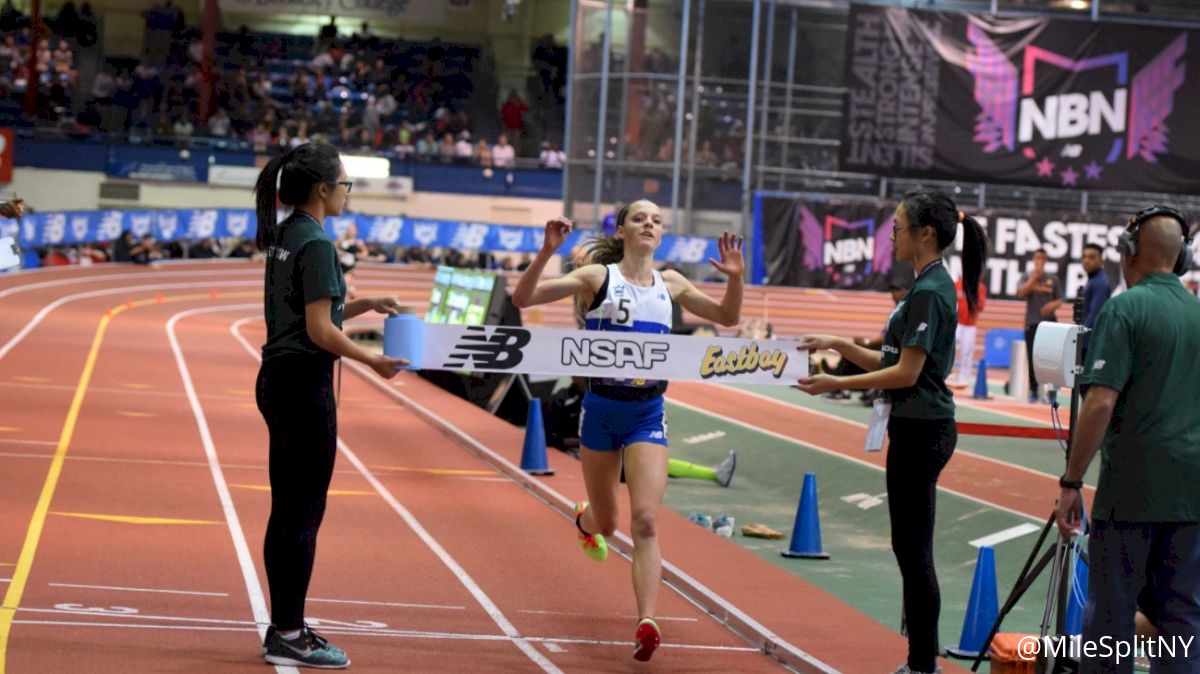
[1057, 556]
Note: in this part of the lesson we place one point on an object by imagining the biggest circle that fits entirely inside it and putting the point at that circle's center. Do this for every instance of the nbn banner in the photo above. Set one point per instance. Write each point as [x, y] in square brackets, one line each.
[1055, 103]
[42, 230]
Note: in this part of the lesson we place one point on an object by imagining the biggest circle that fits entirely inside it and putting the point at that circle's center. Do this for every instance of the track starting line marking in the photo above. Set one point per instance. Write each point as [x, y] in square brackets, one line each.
[246, 626]
[1006, 535]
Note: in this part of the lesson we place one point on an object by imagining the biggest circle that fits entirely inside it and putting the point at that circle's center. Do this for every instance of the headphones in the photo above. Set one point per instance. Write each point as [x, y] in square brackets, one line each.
[1127, 243]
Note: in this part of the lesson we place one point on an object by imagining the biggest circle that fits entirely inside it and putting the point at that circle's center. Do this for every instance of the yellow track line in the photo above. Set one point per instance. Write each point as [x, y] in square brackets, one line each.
[20, 576]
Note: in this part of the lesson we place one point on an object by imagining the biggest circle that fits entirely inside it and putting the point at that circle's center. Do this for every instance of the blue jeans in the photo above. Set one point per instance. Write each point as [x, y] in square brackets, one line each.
[1164, 559]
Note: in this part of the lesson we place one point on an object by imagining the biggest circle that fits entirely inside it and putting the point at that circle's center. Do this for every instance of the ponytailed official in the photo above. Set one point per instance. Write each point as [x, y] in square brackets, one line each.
[623, 422]
[304, 304]
[911, 370]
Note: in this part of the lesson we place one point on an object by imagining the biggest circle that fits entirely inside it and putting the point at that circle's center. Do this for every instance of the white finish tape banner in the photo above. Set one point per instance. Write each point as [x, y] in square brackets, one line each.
[590, 353]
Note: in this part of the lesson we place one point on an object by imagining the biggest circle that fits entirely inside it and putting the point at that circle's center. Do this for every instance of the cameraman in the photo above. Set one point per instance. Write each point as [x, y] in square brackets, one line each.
[1143, 373]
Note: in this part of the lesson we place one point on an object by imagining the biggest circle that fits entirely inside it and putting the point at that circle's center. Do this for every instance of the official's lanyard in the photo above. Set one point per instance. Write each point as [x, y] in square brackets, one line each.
[929, 266]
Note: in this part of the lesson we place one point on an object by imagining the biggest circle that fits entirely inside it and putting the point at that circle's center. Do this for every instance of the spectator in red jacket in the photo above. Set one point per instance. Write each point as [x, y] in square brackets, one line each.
[513, 114]
[965, 335]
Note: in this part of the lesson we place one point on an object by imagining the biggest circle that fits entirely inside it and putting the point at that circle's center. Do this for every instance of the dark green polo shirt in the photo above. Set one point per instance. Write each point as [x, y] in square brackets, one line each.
[926, 318]
[302, 267]
[1147, 348]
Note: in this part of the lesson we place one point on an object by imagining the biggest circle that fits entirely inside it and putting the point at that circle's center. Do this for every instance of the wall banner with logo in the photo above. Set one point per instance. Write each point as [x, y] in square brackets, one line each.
[815, 244]
[818, 244]
[1053, 103]
[587, 353]
[41, 230]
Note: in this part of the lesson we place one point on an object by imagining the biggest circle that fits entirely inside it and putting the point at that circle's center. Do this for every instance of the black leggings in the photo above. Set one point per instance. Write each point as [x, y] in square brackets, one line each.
[918, 450]
[295, 397]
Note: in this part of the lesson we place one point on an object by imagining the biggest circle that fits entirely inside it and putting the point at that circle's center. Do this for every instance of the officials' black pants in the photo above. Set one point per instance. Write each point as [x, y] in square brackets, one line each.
[918, 450]
[295, 397]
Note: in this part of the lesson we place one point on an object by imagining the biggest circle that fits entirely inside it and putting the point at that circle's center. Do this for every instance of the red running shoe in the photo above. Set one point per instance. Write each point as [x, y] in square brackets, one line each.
[647, 639]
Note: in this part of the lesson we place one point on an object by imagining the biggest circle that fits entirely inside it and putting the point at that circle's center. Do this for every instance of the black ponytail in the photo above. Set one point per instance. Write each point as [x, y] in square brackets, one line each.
[937, 210]
[266, 196]
[296, 173]
[973, 260]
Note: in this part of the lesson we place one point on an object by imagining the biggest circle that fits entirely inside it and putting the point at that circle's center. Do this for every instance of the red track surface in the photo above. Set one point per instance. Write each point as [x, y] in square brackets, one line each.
[453, 566]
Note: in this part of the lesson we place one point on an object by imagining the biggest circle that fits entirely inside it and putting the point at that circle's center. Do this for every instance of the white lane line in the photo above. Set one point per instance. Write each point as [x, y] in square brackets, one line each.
[554, 648]
[615, 615]
[386, 603]
[851, 422]
[123, 391]
[223, 275]
[33, 322]
[704, 437]
[550, 642]
[15, 441]
[459, 572]
[258, 603]
[157, 462]
[139, 589]
[861, 462]
[134, 616]
[731, 617]
[1006, 535]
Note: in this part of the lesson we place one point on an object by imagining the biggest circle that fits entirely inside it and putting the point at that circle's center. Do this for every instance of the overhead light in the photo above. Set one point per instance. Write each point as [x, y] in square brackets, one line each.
[366, 167]
[1079, 4]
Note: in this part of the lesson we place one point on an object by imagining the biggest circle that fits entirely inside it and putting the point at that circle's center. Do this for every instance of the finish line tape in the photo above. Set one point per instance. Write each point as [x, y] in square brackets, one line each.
[591, 353]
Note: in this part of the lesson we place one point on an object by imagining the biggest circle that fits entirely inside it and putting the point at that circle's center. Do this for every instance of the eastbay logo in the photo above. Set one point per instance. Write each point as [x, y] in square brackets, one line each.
[717, 363]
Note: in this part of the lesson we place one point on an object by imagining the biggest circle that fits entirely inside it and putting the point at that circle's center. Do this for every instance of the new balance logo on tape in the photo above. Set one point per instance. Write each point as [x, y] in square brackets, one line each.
[490, 348]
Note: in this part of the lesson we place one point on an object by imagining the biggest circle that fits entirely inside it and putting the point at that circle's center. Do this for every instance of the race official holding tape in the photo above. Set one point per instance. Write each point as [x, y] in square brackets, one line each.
[911, 370]
[304, 303]
[1143, 378]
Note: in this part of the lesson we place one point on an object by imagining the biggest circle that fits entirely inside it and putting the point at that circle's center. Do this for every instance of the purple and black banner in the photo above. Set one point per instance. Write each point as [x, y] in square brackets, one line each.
[848, 245]
[1035, 101]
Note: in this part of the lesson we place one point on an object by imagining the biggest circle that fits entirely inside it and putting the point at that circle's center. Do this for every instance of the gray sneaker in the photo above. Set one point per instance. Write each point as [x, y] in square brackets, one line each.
[309, 649]
[725, 470]
[905, 669]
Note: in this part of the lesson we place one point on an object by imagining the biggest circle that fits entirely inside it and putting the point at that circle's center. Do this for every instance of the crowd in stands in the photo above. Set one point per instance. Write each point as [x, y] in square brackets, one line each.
[273, 92]
[53, 63]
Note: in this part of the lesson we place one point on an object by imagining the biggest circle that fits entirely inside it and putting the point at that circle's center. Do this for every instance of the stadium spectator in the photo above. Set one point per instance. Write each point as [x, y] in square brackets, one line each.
[464, 151]
[551, 157]
[503, 154]
[219, 123]
[483, 154]
[513, 114]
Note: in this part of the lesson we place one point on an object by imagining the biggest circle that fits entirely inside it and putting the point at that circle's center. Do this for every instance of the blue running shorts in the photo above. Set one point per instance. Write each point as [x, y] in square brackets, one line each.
[606, 425]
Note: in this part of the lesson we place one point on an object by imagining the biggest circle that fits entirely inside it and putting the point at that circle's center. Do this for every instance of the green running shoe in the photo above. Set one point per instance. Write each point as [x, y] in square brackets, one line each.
[309, 649]
[594, 545]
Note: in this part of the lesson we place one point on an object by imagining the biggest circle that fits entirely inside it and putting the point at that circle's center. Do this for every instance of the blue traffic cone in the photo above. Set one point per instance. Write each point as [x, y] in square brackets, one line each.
[981, 389]
[533, 455]
[982, 608]
[806, 532]
[1076, 596]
